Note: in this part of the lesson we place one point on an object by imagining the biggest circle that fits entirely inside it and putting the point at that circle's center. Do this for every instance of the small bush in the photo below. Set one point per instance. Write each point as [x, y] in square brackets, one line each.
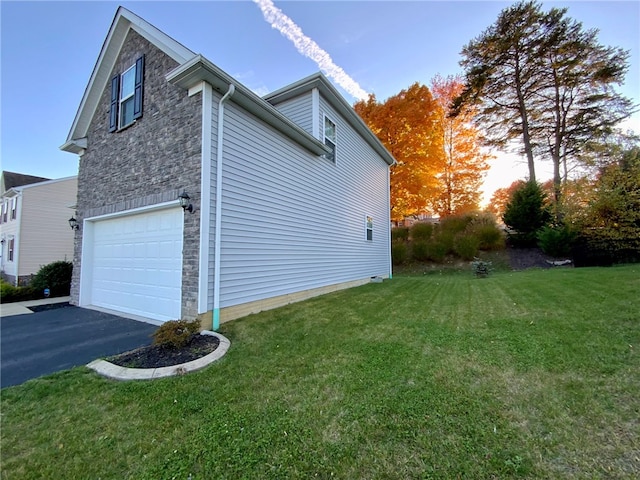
[481, 268]
[399, 234]
[399, 253]
[466, 245]
[556, 241]
[437, 251]
[421, 231]
[455, 223]
[176, 333]
[420, 251]
[444, 239]
[9, 293]
[56, 277]
[485, 228]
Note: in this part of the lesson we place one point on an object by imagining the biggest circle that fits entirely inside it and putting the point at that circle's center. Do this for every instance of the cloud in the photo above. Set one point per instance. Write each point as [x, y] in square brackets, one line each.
[309, 48]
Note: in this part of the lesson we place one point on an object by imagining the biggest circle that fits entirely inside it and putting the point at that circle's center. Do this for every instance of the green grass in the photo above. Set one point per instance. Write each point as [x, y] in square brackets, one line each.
[531, 374]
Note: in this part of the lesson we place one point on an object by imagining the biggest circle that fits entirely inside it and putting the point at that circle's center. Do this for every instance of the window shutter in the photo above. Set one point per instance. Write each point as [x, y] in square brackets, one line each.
[113, 112]
[137, 98]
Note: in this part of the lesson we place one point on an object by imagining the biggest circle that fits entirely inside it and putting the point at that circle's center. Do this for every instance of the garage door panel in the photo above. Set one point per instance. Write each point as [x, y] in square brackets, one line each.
[137, 264]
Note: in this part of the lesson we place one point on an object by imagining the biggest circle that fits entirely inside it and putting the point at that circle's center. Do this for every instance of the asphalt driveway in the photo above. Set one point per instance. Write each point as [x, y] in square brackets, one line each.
[49, 341]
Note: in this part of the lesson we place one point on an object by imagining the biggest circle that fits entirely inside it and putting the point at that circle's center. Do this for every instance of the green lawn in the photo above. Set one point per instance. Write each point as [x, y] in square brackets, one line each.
[531, 374]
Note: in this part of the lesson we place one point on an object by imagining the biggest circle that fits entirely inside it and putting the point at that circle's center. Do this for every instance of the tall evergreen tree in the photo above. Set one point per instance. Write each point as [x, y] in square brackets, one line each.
[540, 78]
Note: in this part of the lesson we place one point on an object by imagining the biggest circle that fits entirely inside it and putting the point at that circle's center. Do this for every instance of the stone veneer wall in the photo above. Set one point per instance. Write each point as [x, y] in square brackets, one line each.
[146, 163]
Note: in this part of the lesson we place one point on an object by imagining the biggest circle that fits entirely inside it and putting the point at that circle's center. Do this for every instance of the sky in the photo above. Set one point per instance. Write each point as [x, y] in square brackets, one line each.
[49, 49]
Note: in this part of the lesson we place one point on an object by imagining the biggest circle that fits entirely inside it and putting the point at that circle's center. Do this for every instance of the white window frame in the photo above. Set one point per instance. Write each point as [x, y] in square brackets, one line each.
[14, 208]
[5, 208]
[130, 98]
[11, 248]
[368, 228]
[332, 141]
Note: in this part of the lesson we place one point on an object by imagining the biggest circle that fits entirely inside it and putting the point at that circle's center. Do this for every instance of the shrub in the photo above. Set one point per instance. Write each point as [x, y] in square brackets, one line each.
[485, 228]
[420, 250]
[455, 223]
[176, 333]
[526, 213]
[481, 268]
[56, 277]
[399, 253]
[466, 245]
[421, 231]
[10, 293]
[437, 250]
[399, 234]
[556, 241]
[444, 239]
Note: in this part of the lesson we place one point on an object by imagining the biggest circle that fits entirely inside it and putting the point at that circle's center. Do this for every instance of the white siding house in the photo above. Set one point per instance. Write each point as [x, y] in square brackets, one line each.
[35, 231]
[291, 197]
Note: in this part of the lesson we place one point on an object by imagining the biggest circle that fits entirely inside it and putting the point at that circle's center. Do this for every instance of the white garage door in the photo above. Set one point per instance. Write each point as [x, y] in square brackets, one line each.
[136, 264]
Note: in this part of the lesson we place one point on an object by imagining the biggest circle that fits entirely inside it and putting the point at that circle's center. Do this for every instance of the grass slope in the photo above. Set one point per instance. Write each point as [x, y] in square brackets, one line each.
[532, 374]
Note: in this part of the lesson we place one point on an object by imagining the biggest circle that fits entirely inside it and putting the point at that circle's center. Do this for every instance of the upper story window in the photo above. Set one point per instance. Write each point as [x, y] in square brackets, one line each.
[330, 138]
[14, 208]
[368, 227]
[126, 96]
[5, 209]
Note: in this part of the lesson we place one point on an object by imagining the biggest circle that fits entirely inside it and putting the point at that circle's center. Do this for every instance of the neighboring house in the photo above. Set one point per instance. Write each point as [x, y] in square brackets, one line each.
[289, 193]
[34, 228]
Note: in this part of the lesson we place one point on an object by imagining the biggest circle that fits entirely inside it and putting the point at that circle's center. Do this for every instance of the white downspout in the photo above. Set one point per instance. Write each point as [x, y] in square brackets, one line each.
[218, 224]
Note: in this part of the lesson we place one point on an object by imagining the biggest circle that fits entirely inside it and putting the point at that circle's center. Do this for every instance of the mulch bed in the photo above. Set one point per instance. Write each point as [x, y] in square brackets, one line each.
[50, 306]
[523, 258]
[155, 356]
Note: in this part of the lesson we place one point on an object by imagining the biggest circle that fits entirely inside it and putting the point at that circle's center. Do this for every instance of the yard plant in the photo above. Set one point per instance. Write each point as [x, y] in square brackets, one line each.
[532, 374]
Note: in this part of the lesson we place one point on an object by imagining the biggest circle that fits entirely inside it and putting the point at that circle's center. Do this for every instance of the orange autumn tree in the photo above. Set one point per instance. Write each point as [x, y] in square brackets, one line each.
[501, 197]
[409, 126]
[465, 164]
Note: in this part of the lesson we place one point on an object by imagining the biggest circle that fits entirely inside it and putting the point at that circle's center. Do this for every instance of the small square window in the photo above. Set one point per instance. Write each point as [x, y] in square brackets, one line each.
[330, 138]
[369, 228]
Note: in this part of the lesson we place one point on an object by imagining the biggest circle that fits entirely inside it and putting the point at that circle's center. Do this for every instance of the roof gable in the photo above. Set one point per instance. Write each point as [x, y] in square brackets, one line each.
[337, 101]
[123, 21]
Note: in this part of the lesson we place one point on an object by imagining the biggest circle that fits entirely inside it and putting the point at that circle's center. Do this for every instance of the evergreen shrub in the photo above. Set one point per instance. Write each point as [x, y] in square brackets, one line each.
[176, 333]
[56, 277]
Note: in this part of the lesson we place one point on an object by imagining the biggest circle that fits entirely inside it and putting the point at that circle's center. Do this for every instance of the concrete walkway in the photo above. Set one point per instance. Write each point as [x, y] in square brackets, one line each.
[21, 308]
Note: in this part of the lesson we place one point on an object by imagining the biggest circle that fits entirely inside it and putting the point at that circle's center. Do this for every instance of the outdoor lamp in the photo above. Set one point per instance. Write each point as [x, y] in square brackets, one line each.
[73, 223]
[184, 202]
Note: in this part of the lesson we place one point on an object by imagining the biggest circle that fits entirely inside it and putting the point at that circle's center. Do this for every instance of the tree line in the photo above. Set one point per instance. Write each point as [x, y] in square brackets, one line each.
[534, 81]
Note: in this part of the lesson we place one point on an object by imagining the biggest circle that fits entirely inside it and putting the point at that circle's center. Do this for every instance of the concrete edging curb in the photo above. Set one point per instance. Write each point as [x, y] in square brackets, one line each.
[116, 372]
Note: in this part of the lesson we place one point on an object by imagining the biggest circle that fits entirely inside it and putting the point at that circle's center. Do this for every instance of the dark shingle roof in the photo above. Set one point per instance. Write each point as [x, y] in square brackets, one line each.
[13, 179]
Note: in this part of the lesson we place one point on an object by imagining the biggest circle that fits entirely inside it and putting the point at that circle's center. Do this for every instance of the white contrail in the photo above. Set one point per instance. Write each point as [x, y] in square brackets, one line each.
[309, 48]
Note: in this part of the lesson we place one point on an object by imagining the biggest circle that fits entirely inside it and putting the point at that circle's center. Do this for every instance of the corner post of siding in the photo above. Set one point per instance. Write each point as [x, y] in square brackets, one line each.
[315, 113]
[205, 200]
[389, 220]
[218, 225]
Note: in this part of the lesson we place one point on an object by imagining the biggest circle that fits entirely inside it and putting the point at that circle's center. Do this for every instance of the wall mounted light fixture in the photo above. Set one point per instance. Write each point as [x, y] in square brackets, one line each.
[184, 201]
[73, 223]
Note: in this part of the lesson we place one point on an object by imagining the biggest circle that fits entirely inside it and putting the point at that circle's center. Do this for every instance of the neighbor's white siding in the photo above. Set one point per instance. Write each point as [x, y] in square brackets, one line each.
[299, 110]
[293, 221]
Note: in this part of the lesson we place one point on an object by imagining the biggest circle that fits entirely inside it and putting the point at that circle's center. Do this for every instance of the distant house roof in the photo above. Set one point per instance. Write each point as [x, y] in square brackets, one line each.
[13, 179]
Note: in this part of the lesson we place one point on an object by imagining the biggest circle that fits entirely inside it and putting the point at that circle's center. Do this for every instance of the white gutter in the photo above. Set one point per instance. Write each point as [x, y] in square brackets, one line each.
[218, 225]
